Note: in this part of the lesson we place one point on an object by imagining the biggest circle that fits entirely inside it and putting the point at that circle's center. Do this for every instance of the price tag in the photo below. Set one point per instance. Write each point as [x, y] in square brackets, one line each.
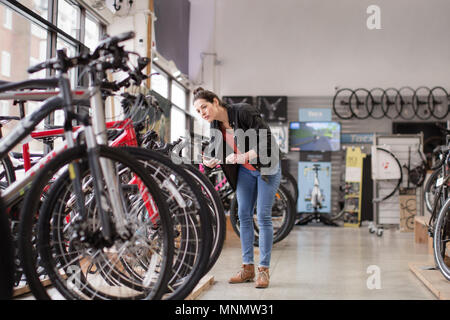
[439, 182]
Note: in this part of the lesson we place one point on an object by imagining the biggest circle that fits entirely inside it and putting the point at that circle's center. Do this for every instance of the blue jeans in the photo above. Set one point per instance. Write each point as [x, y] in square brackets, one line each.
[252, 189]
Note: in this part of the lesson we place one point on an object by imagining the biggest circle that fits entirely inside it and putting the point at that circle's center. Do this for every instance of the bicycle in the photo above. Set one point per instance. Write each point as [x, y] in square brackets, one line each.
[64, 99]
[316, 200]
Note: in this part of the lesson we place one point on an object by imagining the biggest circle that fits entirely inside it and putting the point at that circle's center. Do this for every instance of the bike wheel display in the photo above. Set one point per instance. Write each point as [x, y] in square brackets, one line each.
[438, 102]
[358, 104]
[283, 216]
[441, 239]
[389, 101]
[420, 103]
[79, 261]
[341, 104]
[405, 106]
[374, 103]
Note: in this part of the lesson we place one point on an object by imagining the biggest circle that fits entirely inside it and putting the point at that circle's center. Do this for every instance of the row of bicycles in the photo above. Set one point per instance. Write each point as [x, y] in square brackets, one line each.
[108, 214]
[437, 202]
[405, 103]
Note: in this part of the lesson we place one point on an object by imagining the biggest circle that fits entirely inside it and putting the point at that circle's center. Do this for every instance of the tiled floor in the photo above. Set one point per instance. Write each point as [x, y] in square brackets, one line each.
[318, 262]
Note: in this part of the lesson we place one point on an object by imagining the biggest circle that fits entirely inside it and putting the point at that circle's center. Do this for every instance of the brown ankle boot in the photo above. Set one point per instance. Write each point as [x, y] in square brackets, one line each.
[262, 281]
[247, 273]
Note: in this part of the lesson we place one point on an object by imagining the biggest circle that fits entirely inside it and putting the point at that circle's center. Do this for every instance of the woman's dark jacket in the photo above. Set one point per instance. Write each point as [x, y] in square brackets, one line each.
[244, 116]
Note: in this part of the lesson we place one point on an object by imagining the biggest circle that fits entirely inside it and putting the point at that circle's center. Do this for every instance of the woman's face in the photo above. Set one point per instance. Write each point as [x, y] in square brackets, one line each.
[206, 109]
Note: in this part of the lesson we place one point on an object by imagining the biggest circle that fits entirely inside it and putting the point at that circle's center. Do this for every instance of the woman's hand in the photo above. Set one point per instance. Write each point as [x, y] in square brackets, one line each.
[241, 158]
[210, 162]
[236, 158]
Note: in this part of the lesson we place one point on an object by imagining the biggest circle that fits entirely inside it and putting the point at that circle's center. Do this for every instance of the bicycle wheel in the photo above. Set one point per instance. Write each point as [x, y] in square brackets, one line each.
[341, 104]
[290, 183]
[283, 216]
[430, 189]
[193, 232]
[7, 174]
[405, 108]
[358, 104]
[389, 101]
[7, 254]
[441, 239]
[70, 248]
[420, 103]
[374, 101]
[438, 102]
[216, 210]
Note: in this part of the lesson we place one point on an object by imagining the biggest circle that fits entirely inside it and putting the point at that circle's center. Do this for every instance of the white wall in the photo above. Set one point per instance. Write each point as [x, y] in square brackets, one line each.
[307, 47]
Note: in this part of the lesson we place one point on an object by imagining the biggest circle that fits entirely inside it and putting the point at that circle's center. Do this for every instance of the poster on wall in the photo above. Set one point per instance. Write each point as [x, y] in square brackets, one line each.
[306, 177]
[272, 108]
[281, 136]
[161, 120]
[237, 99]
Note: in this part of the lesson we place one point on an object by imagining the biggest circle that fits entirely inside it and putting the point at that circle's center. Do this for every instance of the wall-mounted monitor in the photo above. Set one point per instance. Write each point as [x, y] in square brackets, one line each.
[314, 136]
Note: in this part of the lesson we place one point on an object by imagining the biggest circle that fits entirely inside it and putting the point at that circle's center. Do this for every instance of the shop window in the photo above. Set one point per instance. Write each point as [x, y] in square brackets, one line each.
[178, 95]
[6, 64]
[91, 33]
[68, 18]
[160, 83]
[7, 18]
[177, 123]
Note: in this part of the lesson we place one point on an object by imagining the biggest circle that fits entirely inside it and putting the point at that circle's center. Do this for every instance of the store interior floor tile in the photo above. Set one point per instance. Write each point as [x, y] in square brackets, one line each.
[319, 262]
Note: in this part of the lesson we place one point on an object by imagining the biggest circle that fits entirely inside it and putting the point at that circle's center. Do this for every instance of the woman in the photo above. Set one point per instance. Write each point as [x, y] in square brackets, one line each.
[251, 165]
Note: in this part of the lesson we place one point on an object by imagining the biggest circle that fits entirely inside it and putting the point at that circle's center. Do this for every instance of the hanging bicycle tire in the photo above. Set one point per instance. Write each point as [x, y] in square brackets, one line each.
[358, 104]
[341, 104]
[405, 107]
[389, 101]
[438, 101]
[420, 103]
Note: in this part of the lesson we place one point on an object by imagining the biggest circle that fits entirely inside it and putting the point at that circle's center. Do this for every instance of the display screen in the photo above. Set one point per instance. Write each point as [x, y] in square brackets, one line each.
[314, 136]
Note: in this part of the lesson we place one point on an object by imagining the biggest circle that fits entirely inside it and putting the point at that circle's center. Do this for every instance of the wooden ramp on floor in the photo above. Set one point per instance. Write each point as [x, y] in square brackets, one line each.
[432, 279]
[204, 284]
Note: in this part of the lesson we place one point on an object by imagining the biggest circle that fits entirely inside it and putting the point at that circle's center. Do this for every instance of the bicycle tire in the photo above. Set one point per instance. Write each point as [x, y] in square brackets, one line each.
[288, 220]
[399, 181]
[430, 189]
[405, 112]
[442, 235]
[290, 184]
[362, 113]
[217, 213]
[377, 108]
[342, 108]
[7, 265]
[31, 205]
[7, 173]
[188, 272]
[390, 107]
[421, 111]
[434, 106]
